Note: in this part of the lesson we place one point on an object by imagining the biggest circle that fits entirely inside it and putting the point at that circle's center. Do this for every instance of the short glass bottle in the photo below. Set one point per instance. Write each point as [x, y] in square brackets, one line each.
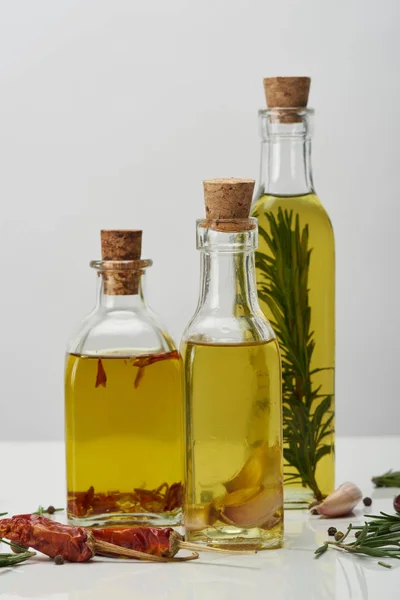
[123, 407]
[233, 410]
[296, 287]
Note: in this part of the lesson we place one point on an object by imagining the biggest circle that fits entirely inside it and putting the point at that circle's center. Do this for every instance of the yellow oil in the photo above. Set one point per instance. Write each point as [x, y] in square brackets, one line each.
[123, 438]
[234, 479]
[320, 284]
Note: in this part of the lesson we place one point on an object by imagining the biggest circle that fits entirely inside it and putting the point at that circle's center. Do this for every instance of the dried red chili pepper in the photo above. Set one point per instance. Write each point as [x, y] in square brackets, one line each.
[164, 542]
[156, 541]
[148, 359]
[173, 498]
[34, 531]
[161, 541]
[164, 498]
[77, 544]
[141, 362]
[101, 377]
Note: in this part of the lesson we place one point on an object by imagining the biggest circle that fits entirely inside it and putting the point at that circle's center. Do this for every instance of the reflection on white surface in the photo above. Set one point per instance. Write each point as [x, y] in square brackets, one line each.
[347, 564]
[208, 580]
[288, 574]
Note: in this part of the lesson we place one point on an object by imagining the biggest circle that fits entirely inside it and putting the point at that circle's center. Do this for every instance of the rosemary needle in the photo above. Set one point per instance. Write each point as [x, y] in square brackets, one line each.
[14, 545]
[321, 549]
[7, 560]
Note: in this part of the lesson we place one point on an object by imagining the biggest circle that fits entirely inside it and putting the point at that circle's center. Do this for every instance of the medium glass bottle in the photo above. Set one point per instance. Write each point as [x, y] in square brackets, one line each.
[123, 401]
[233, 409]
[295, 266]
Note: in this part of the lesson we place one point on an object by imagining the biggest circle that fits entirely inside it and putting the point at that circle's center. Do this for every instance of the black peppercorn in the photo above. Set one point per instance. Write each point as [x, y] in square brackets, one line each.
[367, 501]
[51, 510]
[339, 535]
[332, 530]
[357, 533]
[59, 560]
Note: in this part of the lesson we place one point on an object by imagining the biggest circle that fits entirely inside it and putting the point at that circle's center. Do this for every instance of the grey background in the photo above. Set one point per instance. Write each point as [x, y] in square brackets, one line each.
[111, 115]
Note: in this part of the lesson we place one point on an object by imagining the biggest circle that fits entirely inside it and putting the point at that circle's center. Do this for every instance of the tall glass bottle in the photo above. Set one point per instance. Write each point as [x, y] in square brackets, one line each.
[123, 401]
[233, 409]
[295, 266]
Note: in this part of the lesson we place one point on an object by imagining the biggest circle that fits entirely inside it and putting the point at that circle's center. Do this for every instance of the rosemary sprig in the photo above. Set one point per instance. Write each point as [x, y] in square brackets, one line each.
[2, 514]
[283, 286]
[388, 479]
[8, 560]
[379, 538]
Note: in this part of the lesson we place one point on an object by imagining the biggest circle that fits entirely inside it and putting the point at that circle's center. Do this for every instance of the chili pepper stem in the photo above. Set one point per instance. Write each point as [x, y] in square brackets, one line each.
[200, 548]
[107, 548]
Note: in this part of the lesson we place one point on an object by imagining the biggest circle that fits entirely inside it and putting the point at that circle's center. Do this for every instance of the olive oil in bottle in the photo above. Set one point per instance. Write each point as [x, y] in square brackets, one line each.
[233, 408]
[295, 265]
[123, 402]
[235, 394]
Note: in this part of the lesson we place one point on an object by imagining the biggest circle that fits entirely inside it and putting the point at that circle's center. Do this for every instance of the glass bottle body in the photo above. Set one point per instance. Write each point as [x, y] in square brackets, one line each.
[123, 410]
[234, 492]
[296, 287]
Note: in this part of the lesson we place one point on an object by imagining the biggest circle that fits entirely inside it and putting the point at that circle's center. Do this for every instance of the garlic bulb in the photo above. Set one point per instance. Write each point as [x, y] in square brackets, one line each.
[340, 502]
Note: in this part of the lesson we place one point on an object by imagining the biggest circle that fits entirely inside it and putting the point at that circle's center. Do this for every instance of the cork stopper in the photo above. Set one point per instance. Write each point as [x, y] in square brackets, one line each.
[287, 92]
[228, 199]
[120, 245]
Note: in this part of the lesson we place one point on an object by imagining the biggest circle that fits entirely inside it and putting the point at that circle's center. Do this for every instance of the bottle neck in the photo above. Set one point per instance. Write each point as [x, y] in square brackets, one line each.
[228, 311]
[286, 167]
[286, 152]
[228, 284]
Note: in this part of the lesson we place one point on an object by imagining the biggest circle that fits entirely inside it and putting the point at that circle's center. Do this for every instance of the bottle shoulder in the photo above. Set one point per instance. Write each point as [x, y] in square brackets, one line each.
[265, 202]
[112, 330]
[308, 206]
[212, 328]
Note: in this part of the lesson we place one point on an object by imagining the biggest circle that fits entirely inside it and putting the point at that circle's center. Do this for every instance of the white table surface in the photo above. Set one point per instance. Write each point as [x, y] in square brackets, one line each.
[33, 474]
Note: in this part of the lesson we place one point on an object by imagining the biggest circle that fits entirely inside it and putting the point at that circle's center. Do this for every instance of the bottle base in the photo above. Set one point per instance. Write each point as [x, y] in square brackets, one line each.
[231, 537]
[128, 519]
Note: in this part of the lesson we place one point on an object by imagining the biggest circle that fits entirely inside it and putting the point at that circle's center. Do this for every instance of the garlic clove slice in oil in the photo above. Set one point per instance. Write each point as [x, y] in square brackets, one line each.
[250, 507]
[259, 470]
